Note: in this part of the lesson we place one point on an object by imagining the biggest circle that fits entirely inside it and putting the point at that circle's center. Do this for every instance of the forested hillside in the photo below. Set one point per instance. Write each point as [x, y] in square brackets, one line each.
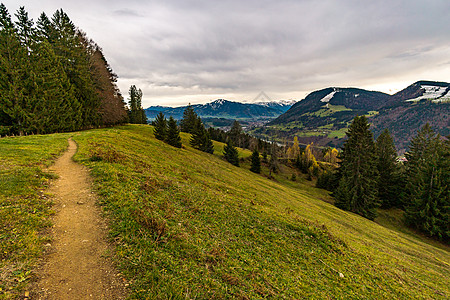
[324, 116]
[53, 78]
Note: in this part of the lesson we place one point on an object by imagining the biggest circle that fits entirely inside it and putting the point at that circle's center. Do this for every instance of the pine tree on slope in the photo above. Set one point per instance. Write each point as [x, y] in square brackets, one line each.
[207, 144]
[231, 154]
[197, 132]
[189, 120]
[200, 138]
[357, 190]
[160, 129]
[427, 198]
[173, 134]
[256, 162]
[389, 187]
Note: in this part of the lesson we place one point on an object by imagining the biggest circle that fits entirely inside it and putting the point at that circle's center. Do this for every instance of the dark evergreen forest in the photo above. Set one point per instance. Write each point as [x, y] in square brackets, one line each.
[53, 78]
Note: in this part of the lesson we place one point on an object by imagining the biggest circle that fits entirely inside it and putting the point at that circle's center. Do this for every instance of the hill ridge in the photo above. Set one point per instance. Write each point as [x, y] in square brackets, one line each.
[323, 115]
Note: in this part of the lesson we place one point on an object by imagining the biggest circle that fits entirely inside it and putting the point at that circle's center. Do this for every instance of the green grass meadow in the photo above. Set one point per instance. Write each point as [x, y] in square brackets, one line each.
[25, 207]
[189, 225]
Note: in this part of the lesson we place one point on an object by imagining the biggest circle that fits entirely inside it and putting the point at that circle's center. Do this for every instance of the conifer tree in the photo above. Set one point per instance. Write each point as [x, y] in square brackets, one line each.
[44, 28]
[112, 109]
[197, 132]
[256, 162]
[160, 129]
[25, 28]
[188, 122]
[49, 76]
[235, 133]
[200, 138]
[357, 190]
[207, 145]
[427, 198]
[388, 169]
[273, 162]
[173, 134]
[72, 50]
[231, 154]
[56, 109]
[14, 79]
[136, 112]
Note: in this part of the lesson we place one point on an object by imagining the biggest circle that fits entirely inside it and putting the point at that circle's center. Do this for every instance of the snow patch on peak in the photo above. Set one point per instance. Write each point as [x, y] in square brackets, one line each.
[216, 104]
[219, 101]
[434, 93]
[328, 97]
[444, 98]
[276, 102]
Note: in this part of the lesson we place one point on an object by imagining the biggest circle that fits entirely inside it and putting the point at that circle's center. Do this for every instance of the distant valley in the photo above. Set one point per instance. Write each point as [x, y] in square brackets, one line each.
[221, 112]
[323, 116]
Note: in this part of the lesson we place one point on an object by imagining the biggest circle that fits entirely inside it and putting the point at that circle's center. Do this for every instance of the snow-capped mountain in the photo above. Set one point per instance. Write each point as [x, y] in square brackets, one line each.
[222, 108]
[435, 93]
[330, 110]
[276, 103]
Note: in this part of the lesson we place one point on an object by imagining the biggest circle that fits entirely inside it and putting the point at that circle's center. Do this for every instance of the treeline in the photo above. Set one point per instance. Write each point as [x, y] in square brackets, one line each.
[370, 176]
[201, 138]
[53, 78]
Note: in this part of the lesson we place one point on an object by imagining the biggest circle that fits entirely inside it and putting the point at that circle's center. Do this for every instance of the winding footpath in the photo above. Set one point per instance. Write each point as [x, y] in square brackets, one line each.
[76, 267]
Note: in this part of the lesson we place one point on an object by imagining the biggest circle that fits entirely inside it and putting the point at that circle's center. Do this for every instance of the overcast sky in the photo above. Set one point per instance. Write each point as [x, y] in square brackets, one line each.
[183, 51]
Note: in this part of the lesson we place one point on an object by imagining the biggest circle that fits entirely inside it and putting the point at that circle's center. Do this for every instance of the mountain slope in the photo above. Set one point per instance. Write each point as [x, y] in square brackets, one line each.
[188, 224]
[226, 109]
[332, 106]
[410, 109]
[323, 116]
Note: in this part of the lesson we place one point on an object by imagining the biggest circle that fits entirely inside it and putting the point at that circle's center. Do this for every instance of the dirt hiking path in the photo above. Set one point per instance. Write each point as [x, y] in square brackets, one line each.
[76, 267]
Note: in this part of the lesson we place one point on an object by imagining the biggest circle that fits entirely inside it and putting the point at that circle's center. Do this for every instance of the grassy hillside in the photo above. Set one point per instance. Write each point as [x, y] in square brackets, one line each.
[189, 225]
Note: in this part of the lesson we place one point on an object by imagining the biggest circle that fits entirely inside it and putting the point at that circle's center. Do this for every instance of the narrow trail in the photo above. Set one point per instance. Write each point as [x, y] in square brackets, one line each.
[75, 267]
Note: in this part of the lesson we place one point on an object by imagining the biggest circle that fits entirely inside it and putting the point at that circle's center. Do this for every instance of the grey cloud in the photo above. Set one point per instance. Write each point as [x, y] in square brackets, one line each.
[127, 12]
[200, 48]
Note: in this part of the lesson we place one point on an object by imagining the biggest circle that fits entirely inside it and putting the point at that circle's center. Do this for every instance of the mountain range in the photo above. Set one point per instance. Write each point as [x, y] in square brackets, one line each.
[222, 108]
[324, 115]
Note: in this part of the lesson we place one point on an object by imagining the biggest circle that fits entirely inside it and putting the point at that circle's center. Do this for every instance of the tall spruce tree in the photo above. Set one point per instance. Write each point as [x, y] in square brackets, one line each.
[197, 133]
[56, 108]
[207, 144]
[231, 154]
[160, 129]
[358, 186]
[50, 79]
[173, 134]
[136, 112]
[427, 200]
[389, 183]
[14, 76]
[74, 56]
[200, 138]
[235, 133]
[189, 120]
[256, 162]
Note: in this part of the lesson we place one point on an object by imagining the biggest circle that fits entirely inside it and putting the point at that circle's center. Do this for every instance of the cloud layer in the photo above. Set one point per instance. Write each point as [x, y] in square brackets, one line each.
[183, 51]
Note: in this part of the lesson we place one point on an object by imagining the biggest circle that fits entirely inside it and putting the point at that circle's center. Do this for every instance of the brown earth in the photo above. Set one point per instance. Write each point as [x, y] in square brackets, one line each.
[76, 266]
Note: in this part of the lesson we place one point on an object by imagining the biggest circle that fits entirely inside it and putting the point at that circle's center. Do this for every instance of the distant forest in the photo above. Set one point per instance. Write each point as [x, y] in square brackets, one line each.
[53, 78]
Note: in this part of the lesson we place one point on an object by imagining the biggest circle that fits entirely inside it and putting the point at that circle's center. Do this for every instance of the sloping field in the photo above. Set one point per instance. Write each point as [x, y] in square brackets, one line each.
[188, 225]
